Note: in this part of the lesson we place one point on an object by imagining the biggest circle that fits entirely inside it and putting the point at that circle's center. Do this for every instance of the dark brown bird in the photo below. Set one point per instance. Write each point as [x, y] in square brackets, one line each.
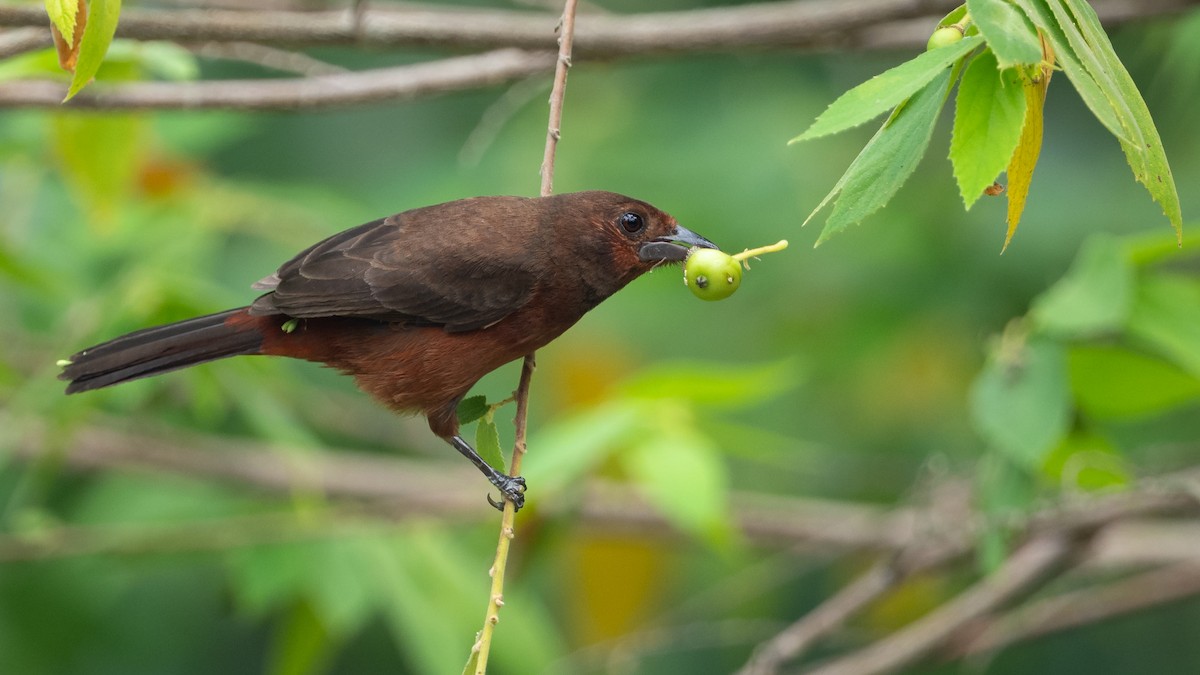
[419, 306]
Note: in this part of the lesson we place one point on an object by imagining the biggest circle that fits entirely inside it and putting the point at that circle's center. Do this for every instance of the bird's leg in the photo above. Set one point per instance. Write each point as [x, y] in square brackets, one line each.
[512, 487]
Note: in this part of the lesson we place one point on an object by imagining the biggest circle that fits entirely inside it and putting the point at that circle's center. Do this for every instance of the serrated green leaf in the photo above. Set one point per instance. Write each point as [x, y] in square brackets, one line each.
[988, 116]
[487, 444]
[711, 383]
[1021, 405]
[1095, 296]
[1144, 149]
[886, 90]
[63, 14]
[97, 36]
[1013, 39]
[472, 408]
[1088, 59]
[682, 474]
[886, 161]
[1111, 382]
[1166, 317]
[1089, 90]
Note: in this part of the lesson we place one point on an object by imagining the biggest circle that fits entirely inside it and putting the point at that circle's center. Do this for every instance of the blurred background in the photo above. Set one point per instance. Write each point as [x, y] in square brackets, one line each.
[180, 524]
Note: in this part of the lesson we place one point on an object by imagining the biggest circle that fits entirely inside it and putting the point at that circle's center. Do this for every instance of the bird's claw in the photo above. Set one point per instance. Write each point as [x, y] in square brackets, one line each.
[512, 488]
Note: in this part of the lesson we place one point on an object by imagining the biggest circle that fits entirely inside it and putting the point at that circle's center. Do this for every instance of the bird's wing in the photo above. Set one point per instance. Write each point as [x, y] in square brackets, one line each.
[385, 270]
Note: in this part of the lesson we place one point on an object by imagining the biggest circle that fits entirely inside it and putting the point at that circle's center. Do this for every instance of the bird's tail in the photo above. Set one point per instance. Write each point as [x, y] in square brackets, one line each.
[163, 348]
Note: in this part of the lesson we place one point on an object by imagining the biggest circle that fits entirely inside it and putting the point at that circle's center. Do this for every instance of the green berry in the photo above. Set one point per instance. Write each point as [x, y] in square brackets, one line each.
[711, 274]
[943, 37]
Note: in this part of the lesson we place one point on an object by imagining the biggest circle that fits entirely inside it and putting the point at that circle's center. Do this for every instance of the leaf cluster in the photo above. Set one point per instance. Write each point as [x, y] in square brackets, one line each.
[1008, 53]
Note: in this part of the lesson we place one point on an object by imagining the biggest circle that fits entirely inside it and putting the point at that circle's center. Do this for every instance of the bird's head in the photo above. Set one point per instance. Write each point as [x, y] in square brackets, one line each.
[625, 236]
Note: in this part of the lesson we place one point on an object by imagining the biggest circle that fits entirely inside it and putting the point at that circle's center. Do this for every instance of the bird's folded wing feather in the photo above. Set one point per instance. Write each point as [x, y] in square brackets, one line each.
[385, 270]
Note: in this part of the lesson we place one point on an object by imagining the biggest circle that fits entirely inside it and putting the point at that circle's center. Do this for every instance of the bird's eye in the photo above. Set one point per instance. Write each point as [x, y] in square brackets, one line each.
[632, 223]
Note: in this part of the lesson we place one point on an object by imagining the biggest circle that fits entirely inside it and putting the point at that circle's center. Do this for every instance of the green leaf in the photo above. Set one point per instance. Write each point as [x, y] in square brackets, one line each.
[1085, 461]
[472, 663]
[1094, 298]
[988, 116]
[1007, 32]
[100, 156]
[472, 408]
[487, 444]
[887, 160]
[1148, 159]
[563, 453]
[712, 384]
[1140, 141]
[41, 63]
[1020, 402]
[953, 17]
[301, 644]
[681, 473]
[1111, 382]
[63, 14]
[1166, 317]
[1005, 492]
[97, 36]
[1089, 90]
[886, 90]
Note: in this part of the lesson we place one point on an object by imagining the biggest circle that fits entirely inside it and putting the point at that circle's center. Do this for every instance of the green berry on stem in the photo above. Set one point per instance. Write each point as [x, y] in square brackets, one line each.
[944, 37]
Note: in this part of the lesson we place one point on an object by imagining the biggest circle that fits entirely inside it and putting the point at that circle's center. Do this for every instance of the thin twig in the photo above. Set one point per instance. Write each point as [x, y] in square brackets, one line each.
[554, 128]
[1025, 571]
[319, 91]
[829, 616]
[483, 644]
[1079, 608]
[282, 60]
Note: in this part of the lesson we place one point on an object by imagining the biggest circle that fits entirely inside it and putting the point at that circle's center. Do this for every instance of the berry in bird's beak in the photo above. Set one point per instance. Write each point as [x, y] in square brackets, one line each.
[711, 274]
[673, 247]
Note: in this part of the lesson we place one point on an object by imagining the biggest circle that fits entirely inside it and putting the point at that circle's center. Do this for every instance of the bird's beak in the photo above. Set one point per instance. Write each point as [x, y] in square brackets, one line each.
[673, 247]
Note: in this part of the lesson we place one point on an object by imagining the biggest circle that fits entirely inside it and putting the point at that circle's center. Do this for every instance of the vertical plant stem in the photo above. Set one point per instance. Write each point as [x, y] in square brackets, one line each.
[483, 645]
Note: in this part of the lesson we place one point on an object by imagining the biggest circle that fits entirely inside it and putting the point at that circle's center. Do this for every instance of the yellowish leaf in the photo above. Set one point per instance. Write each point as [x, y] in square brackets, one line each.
[67, 30]
[1029, 147]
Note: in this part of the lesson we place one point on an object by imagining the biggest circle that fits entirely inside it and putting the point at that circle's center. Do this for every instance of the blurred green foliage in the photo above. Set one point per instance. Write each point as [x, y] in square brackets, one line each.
[846, 372]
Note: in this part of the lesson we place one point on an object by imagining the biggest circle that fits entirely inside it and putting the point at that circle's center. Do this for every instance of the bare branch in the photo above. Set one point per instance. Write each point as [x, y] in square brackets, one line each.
[449, 490]
[14, 42]
[384, 84]
[1081, 607]
[788, 24]
[282, 60]
[829, 616]
[1027, 569]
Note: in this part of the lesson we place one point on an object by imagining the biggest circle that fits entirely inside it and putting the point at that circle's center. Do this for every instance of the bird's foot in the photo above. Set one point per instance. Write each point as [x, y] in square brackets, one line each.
[511, 488]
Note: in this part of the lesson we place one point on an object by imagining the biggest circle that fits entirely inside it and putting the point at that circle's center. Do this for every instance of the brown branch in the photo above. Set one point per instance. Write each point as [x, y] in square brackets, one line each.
[449, 490]
[829, 616]
[791, 24]
[282, 60]
[15, 42]
[1079, 608]
[1026, 570]
[383, 84]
